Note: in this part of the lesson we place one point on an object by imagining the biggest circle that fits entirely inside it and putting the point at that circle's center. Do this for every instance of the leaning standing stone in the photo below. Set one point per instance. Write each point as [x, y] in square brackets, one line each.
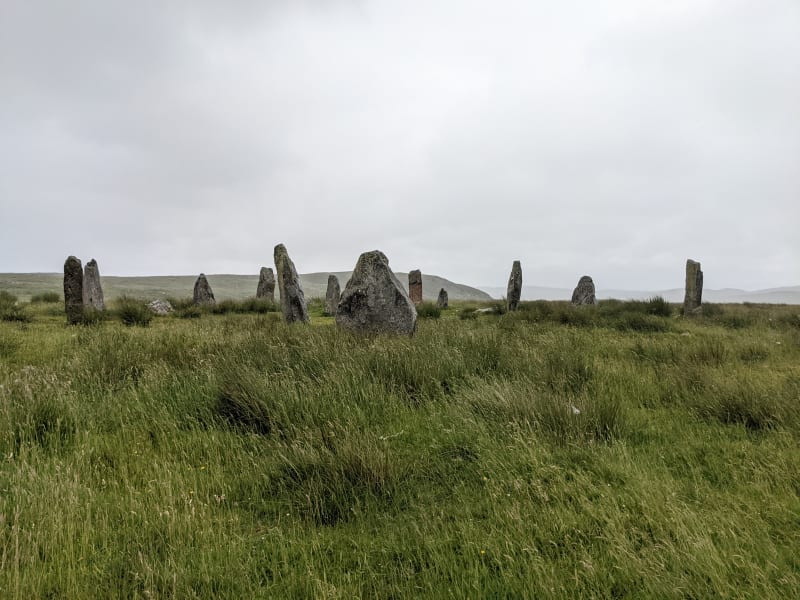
[92, 290]
[514, 286]
[202, 291]
[73, 290]
[442, 301]
[293, 301]
[266, 285]
[374, 300]
[694, 289]
[584, 292]
[332, 295]
[415, 286]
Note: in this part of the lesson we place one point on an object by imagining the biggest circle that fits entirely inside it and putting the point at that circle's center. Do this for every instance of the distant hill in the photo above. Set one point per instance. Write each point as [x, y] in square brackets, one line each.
[783, 295]
[235, 287]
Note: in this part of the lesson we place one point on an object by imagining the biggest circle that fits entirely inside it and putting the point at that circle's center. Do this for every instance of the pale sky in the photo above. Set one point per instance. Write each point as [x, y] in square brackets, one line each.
[614, 139]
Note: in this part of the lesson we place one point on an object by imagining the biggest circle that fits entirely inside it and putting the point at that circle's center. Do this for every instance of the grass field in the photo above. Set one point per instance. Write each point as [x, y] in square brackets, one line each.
[619, 451]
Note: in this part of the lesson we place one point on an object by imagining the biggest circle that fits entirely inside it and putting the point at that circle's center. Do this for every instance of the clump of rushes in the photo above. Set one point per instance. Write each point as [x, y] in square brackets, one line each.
[428, 310]
[132, 311]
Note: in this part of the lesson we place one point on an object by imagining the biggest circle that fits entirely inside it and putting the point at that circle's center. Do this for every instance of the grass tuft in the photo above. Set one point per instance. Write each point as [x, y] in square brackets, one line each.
[428, 310]
[132, 311]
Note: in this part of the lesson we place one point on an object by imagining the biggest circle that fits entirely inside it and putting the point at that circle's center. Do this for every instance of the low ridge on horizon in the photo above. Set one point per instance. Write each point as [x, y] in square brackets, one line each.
[237, 286]
[225, 286]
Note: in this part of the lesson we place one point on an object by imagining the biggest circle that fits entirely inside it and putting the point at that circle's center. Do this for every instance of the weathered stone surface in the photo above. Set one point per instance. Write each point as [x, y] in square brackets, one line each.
[92, 290]
[694, 289]
[374, 300]
[584, 291]
[293, 301]
[514, 292]
[442, 301]
[415, 286]
[266, 285]
[73, 289]
[332, 295]
[202, 291]
[160, 307]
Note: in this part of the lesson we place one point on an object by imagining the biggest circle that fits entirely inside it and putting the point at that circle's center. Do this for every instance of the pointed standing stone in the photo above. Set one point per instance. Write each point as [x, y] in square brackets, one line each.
[415, 286]
[442, 301]
[266, 285]
[92, 290]
[584, 292]
[694, 289]
[73, 290]
[332, 295]
[374, 300]
[514, 292]
[202, 291]
[293, 301]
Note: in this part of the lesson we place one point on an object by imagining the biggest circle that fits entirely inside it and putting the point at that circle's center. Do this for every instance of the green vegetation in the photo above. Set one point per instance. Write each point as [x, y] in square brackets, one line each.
[10, 310]
[555, 452]
[133, 312]
[51, 297]
[428, 310]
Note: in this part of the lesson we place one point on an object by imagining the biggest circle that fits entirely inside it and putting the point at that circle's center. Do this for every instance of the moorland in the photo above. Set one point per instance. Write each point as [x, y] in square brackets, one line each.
[615, 451]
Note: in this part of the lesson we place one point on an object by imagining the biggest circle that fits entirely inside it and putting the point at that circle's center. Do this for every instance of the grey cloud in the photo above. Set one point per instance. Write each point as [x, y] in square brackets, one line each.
[614, 139]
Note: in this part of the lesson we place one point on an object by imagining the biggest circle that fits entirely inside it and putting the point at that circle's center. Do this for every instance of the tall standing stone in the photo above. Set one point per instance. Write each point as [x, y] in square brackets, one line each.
[73, 290]
[374, 300]
[514, 292]
[694, 289]
[332, 295]
[266, 285]
[415, 286]
[293, 301]
[202, 291]
[584, 292]
[92, 290]
[442, 300]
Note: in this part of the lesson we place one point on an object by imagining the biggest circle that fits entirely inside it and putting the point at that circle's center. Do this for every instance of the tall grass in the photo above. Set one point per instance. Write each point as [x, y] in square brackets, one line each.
[553, 452]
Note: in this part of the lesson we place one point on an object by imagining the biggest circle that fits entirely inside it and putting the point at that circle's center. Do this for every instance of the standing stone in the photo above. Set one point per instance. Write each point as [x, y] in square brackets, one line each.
[92, 290]
[694, 289]
[202, 291]
[514, 287]
[73, 290]
[442, 301]
[374, 300]
[293, 301]
[332, 295]
[415, 286]
[266, 285]
[584, 292]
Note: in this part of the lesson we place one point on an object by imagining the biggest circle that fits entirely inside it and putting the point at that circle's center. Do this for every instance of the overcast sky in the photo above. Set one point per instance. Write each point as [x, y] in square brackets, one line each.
[612, 138]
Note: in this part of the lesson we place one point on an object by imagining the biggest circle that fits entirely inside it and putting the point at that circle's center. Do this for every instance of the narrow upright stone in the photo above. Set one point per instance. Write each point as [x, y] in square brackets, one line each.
[293, 301]
[374, 300]
[92, 290]
[202, 291]
[584, 292]
[73, 290]
[266, 285]
[694, 289]
[442, 301]
[332, 295]
[415, 286]
[514, 292]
